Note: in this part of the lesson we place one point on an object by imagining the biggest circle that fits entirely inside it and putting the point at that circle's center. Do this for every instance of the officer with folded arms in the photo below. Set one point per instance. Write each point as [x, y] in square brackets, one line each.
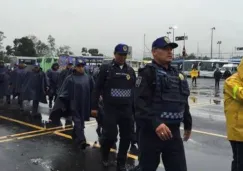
[161, 105]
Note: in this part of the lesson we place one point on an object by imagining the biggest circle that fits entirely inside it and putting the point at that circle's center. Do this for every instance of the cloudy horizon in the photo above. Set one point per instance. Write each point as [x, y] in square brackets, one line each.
[103, 24]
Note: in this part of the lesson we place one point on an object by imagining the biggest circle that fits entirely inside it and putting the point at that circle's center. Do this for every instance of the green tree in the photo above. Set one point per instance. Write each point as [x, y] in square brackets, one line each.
[42, 49]
[51, 42]
[64, 50]
[93, 52]
[147, 58]
[24, 47]
[191, 56]
[1, 39]
[9, 50]
[84, 50]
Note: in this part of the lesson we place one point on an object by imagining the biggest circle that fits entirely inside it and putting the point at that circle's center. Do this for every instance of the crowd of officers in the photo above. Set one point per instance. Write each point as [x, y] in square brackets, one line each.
[157, 99]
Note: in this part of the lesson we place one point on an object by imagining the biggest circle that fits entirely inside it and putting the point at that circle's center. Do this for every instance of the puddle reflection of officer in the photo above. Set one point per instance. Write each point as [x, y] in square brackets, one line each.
[161, 105]
[116, 82]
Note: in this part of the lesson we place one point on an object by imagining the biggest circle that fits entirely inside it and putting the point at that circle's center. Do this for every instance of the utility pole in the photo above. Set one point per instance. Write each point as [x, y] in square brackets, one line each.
[168, 33]
[212, 42]
[219, 43]
[144, 46]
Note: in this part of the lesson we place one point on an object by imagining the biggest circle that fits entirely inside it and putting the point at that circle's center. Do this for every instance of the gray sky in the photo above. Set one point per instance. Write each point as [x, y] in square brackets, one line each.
[104, 23]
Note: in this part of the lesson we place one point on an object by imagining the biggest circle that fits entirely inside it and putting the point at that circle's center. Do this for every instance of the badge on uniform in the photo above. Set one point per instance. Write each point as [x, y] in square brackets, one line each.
[181, 76]
[138, 81]
[128, 77]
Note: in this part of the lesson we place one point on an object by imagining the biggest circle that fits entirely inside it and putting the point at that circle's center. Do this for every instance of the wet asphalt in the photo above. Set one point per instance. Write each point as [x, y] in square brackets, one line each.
[30, 144]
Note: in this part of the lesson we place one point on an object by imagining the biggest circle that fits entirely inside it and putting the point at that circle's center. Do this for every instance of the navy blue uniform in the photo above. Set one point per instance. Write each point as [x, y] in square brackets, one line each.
[53, 76]
[75, 94]
[161, 97]
[116, 85]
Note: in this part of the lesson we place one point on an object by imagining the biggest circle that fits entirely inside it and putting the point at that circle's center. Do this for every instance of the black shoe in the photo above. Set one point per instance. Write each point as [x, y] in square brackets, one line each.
[84, 145]
[121, 168]
[106, 163]
[136, 168]
[114, 146]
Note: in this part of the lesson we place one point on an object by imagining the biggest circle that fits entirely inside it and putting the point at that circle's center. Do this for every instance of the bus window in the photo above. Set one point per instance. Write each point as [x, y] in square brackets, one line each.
[29, 61]
[39, 60]
[48, 60]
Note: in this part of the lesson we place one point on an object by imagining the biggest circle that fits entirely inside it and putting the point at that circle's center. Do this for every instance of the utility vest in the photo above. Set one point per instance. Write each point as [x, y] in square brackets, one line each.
[170, 95]
[119, 85]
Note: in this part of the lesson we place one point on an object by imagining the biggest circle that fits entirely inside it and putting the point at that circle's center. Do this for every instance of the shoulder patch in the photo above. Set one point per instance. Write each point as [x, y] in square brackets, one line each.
[181, 76]
[138, 81]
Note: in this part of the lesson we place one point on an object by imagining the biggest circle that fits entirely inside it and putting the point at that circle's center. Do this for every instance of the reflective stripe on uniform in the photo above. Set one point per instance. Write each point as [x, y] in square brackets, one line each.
[235, 89]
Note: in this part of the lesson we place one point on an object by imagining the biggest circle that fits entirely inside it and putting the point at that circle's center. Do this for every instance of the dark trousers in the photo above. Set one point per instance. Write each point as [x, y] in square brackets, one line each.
[78, 130]
[237, 163]
[194, 79]
[152, 148]
[35, 106]
[217, 83]
[8, 99]
[114, 116]
[51, 98]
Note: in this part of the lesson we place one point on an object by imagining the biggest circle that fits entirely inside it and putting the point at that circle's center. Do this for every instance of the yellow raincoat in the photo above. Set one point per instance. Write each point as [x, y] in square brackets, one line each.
[233, 105]
[194, 73]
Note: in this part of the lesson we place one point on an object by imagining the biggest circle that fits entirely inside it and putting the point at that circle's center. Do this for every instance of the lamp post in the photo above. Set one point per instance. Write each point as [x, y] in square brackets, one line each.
[219, 43]
[168, 33]
[173, 28]
[212, 42]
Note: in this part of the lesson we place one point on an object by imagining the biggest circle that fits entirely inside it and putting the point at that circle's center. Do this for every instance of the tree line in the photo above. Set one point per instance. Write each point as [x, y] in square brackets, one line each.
[31, 46]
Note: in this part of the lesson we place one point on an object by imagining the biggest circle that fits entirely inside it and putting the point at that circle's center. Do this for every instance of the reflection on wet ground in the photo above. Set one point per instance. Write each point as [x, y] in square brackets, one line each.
[33, 144]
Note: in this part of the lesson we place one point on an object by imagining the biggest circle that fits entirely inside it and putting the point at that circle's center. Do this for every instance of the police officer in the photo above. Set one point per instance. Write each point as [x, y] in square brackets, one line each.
[161, 105]
[116, 81]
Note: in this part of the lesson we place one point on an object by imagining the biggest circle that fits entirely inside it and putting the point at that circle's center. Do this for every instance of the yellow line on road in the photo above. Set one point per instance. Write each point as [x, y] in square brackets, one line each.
[59, 133]
[21, 122]
[30, 136]
[32, 132]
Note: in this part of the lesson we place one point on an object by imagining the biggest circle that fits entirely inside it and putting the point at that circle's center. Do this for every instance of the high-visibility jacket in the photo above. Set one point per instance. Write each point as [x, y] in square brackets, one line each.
[233, 105]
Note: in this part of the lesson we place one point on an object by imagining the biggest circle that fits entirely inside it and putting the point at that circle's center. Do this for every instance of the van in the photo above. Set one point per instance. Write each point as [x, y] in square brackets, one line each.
[231, 67]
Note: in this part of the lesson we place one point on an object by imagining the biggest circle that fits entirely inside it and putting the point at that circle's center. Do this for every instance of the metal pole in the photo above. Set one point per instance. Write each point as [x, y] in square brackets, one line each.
[219, 50]
[173, 42]
[144, 46]
[212, 44]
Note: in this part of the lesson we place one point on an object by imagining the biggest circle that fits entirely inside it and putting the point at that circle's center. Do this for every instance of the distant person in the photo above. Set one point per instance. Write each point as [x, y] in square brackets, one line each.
[217, 77]
[194, 75]
[227, 74]
[233, 107]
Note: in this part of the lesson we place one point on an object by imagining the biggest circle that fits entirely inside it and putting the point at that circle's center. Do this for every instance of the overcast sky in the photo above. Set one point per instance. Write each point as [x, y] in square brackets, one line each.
[104, 23]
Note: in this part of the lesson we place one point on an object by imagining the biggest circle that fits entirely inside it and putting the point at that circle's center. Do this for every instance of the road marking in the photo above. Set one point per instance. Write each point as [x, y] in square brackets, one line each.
[32, 132]
[209, 133]
[59, 133]
[24, 137]
[132, 156]
[21, 122]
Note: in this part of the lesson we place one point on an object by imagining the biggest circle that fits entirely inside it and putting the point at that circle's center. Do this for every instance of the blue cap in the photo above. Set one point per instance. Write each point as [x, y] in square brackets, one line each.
[121, 48]
[36, 65]
[163, 42]
[80, 61]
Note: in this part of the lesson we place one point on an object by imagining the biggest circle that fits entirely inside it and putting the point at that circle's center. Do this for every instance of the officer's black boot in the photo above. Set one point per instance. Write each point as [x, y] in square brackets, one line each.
[121, 167]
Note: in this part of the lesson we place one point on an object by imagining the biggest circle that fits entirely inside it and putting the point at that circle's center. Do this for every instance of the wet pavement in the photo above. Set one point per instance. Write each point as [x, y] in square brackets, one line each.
[32, 144]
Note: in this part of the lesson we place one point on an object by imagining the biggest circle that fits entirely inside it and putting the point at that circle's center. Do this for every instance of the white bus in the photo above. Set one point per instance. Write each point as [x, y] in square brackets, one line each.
[207, 67]
[189, 64]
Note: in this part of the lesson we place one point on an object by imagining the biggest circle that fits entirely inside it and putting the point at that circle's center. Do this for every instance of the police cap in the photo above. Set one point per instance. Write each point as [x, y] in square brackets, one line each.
[163, 42]
[121, 48]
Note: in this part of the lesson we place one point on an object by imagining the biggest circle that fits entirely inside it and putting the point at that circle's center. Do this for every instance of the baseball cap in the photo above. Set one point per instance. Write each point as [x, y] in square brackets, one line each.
[80, 62]
[121, 48]
[163, 42]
